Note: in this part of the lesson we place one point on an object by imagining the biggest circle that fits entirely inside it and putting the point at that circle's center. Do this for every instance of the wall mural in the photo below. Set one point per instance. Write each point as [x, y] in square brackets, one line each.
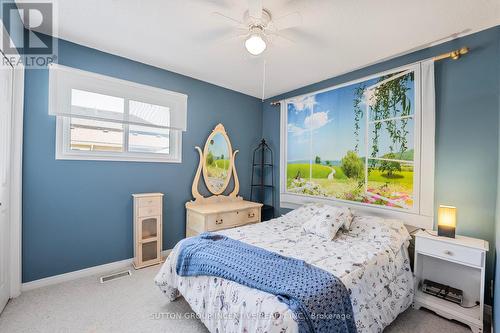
[355, 142]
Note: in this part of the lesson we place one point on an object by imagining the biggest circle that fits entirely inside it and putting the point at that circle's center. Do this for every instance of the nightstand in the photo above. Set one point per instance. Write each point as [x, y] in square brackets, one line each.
[457, 262]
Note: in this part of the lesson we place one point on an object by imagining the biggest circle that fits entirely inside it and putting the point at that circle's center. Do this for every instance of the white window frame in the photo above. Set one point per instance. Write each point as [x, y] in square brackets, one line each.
[64, 151]
[128, 91]
[422, 212]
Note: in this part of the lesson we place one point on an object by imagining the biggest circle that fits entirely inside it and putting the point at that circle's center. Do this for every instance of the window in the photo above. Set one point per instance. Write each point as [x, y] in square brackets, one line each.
[102, 118]
[360, 144]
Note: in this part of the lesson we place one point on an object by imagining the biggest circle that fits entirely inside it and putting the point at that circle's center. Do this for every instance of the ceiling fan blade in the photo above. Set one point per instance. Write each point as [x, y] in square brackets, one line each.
[227, 19]
[287, 21]
[255, 9]
[281, 40]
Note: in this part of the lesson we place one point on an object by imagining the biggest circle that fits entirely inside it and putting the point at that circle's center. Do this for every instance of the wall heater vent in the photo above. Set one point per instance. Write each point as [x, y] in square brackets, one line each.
[115, 276]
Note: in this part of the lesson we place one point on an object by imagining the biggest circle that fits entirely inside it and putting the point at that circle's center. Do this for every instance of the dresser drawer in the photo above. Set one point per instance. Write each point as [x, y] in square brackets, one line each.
[449, 251]
[232, 219]
[149, 202]
[148, 211]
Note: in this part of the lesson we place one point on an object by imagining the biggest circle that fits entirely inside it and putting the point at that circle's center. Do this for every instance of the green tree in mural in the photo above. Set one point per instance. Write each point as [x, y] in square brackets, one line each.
[358, 112]
[210, 158]
[388, 100]
[389, 167]
[351, 165]
[317, 160]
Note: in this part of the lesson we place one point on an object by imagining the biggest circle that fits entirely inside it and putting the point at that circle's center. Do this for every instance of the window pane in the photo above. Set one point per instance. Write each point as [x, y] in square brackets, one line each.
[97, 102]
[298, 146]
[93, 135]
[143, 139]
[394, 98]
[149, 113]
[392, 139]
[390, 183]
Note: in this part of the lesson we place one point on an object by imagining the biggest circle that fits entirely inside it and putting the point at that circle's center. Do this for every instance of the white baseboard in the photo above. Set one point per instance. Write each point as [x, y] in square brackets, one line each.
[96, 270]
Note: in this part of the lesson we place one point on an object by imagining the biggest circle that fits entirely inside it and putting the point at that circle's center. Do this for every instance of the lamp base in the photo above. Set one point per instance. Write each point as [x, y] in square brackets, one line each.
[446, 231]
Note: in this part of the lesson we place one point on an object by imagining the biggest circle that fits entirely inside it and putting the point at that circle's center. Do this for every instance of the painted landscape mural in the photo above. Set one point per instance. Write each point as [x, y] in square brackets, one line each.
[355, 142]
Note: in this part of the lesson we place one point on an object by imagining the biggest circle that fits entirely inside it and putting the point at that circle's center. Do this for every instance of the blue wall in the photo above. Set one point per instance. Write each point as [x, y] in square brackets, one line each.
[467, 118]
[78, 214]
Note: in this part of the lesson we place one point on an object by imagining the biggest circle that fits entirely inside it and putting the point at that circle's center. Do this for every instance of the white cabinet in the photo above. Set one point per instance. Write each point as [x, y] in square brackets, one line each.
[148, 218]
[457, 262]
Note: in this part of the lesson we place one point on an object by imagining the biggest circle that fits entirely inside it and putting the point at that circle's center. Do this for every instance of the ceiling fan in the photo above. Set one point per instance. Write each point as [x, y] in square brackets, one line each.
[258, 26]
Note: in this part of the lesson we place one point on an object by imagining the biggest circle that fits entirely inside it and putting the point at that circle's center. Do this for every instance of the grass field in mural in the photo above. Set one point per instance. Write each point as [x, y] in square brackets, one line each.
[330, 181]
[218, 169]
[355, 142]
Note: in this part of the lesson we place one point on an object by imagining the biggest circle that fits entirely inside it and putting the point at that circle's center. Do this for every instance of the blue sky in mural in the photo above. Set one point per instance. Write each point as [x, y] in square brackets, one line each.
[330, 116]
[218, 146]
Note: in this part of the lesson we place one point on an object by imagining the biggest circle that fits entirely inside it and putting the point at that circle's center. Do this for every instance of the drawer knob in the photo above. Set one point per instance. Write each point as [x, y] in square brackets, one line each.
[251, 214]
[448, 252]
[218, 221]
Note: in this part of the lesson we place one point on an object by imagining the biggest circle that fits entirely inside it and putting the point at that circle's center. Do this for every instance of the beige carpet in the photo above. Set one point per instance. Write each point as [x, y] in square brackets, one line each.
[134, 304]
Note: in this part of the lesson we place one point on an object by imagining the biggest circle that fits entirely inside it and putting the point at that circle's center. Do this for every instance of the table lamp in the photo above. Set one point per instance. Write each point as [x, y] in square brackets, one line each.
[447, 221]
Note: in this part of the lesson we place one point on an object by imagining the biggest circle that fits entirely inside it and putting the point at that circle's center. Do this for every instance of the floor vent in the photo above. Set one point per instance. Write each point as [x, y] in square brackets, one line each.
[115, 276]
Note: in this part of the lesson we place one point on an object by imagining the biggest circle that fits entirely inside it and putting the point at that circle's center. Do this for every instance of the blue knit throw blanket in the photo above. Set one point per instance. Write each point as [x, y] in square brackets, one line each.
[319, 300]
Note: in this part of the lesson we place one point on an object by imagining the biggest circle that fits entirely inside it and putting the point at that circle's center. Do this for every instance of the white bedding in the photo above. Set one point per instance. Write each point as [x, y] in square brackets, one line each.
[371, 260]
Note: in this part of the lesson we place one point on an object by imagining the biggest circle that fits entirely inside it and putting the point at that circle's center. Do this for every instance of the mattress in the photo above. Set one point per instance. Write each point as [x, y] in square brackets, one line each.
[371, 259]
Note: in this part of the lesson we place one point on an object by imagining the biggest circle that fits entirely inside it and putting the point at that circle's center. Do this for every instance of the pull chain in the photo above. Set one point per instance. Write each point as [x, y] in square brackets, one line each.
[264, 81]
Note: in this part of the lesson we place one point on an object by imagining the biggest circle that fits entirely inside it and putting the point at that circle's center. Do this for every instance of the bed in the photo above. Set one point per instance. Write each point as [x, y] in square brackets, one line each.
[371, 259]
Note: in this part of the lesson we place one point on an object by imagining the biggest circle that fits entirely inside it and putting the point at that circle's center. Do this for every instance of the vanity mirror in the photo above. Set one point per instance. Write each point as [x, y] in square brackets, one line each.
[218, 162]
[218, 211]
[217, 165]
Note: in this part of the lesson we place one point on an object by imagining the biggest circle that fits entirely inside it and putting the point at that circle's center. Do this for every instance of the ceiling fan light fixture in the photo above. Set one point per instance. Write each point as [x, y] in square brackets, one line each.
[255, 44]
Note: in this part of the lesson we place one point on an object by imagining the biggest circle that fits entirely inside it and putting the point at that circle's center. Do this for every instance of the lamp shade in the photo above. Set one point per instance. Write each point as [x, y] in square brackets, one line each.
[255, 44]
[447, 221]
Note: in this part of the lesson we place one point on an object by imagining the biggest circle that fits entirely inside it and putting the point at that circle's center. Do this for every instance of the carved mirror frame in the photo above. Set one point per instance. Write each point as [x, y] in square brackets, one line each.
[217, 195]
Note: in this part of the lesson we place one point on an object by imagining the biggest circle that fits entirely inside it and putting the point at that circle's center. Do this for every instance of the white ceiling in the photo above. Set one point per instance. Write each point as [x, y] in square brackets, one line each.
[336, 36]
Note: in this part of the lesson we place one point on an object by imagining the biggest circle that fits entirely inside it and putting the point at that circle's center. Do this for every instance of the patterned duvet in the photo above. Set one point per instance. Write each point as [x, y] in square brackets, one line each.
[371, 259]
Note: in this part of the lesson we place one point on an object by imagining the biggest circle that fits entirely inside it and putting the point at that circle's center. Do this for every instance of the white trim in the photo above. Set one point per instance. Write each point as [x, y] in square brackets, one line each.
[390, 160]
[15, 197]
[16, 183]
[418, 216]
[86, 272]
[389, 79]
[390, 119]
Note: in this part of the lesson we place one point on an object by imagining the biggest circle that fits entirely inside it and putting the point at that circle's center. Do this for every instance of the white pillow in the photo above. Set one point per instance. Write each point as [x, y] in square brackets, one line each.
[327, 221]
[348, 217]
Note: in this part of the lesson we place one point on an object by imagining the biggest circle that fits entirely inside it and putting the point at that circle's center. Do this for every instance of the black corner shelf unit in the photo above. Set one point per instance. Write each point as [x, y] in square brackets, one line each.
[262, 165]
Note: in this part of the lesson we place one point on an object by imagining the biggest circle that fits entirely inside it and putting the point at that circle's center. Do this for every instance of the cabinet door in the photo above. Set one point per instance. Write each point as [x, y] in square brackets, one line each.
[149, 243]
[149, 227]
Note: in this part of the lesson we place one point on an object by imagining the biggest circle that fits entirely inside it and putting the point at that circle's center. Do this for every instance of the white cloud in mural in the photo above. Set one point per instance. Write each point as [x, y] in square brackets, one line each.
[316, 120]
[303, 103]
[312, 122]
[296, 130]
